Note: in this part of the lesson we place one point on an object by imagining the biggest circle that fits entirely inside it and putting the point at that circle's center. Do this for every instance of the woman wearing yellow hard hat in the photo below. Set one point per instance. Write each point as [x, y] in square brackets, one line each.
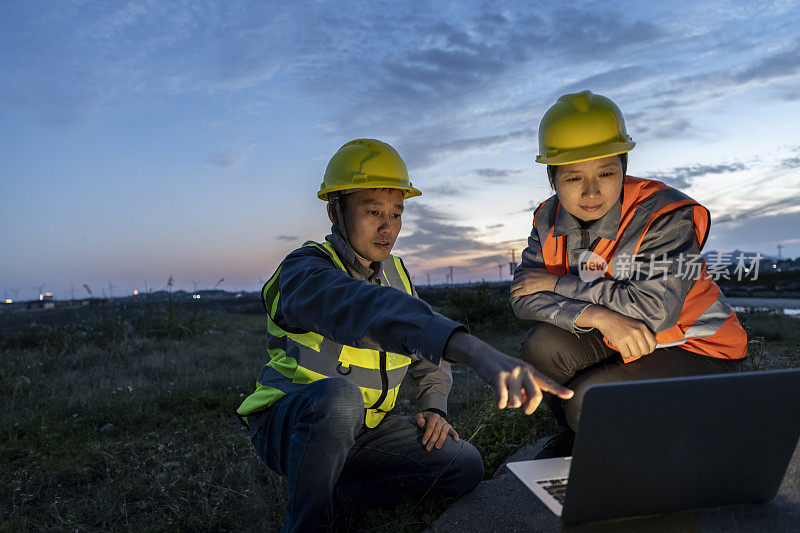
[612, 277]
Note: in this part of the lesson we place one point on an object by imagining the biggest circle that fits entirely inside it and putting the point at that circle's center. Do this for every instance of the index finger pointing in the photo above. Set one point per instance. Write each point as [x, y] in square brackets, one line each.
[547, 384]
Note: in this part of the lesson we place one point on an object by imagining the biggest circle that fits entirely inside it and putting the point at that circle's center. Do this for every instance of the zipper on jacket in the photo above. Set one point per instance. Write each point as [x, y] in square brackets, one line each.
[584, 239]
[384, 382]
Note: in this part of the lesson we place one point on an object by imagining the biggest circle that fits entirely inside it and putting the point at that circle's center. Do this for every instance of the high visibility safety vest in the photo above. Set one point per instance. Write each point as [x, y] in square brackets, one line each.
[706, 324]
[297, 359]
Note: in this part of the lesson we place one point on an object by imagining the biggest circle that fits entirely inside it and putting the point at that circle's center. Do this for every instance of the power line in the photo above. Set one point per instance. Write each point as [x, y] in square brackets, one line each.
[750, 182]
[758, 210]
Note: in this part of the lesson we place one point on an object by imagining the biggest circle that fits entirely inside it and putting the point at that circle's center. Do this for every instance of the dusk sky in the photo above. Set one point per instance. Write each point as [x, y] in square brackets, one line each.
[150, 139]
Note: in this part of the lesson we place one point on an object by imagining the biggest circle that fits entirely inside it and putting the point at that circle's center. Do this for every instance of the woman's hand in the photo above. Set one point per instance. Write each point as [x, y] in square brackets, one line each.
[533, 280]
[630, 336]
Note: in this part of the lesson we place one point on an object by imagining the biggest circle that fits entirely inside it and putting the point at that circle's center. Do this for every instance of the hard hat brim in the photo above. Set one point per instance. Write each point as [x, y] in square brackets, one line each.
[565, 157]
[408, 192]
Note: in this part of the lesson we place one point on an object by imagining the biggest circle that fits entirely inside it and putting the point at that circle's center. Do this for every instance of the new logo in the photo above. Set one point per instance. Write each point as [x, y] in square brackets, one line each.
[591, 266]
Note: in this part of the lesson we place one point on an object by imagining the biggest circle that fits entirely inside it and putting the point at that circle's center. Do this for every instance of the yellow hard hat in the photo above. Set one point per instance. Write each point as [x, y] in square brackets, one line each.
[582, 126]
[366, 164]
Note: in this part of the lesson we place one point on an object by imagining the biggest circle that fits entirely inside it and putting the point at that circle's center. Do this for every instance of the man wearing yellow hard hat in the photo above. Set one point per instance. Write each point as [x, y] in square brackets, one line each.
[612, 276]
[343, 327]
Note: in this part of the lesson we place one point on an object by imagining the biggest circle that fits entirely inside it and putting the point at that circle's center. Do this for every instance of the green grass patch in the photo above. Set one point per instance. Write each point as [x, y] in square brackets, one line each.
[772, 327]
[126, 421]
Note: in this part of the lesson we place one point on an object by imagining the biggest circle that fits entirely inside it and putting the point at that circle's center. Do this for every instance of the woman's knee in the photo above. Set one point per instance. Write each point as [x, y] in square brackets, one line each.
[609, 373]
[555, 352]
[539, 342]
[573, 406]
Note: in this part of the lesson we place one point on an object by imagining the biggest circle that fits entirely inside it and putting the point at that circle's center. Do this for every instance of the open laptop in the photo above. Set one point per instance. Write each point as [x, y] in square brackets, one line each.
[655, 446]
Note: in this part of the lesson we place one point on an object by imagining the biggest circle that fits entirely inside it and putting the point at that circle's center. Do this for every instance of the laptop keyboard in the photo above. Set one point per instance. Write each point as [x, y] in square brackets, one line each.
[557, 488]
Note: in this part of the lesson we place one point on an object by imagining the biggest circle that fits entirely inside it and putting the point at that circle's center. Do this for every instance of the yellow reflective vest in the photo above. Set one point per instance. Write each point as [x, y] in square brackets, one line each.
[299, 358]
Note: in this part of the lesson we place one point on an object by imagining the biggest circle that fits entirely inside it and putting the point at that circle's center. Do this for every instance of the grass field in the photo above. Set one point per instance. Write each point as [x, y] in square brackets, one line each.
[124, 420]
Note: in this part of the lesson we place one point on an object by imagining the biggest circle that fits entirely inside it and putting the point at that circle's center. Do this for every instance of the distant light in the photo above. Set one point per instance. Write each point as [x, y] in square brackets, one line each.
[9, 301]
[48, 294]
[774, 265]
[196, 296]
[135, 292]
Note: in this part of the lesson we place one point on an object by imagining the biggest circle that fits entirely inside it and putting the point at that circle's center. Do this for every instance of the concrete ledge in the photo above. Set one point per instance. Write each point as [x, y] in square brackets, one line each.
[504, 504]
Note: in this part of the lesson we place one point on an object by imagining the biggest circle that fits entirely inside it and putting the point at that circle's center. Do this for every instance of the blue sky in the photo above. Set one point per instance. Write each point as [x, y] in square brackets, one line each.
[144, 140]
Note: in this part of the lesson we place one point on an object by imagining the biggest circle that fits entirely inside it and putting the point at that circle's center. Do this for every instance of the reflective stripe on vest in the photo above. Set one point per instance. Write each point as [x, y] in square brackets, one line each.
[706, 324]
[302, 358]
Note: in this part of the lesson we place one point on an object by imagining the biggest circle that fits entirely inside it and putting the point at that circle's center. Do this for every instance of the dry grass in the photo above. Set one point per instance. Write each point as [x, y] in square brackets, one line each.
[121, 430]
[138, 432]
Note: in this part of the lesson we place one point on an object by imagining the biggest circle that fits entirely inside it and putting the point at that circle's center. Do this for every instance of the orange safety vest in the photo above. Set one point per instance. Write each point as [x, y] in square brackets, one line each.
[706, 325]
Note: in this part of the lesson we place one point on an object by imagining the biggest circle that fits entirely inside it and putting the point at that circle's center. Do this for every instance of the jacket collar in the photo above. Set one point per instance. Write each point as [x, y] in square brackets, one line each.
[348, 257]
[606, 227]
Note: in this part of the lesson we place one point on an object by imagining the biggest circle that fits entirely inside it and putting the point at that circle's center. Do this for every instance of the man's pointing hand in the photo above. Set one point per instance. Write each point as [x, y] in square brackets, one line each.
[516, 384]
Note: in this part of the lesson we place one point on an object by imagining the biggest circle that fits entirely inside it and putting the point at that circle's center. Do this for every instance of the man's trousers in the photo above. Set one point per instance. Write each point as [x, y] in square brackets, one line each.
[315, 436]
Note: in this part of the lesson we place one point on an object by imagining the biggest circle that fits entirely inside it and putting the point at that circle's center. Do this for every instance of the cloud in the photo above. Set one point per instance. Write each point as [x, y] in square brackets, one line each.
[698, 90]
[445, 190]
[73, 61]
[427, 72]
[531, 208]
[608, 80]
[769, 208]
[456, 57]
[778, 65]
[683, 177]
[594, 33]
[791, 161]
[749, 234]
[660, 127]
[495, 172]
[226, 159]
[483, 260]
[424, 153]
[437, 237]
[286, 238]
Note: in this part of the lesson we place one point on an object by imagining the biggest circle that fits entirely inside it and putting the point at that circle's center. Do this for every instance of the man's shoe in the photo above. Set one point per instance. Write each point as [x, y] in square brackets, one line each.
[558, 446]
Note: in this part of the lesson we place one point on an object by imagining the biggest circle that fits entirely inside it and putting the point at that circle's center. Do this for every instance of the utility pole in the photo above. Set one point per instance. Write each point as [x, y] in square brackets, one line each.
[500, 270]
[429, 278]
[513, 264]
[451, 275]
[780, 247]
